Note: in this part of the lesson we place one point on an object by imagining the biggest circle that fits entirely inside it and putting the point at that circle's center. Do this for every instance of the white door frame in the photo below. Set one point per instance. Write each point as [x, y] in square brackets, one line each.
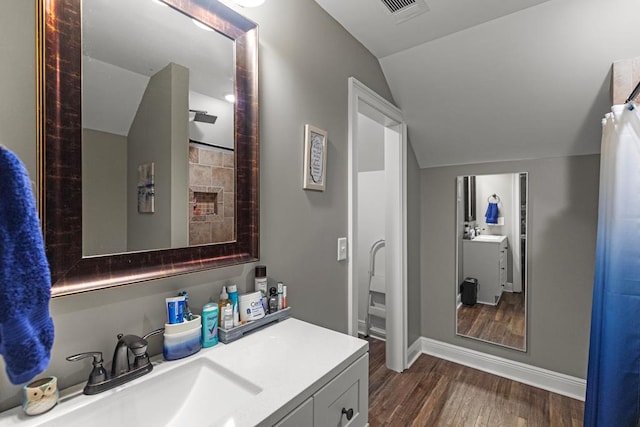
[365, 101]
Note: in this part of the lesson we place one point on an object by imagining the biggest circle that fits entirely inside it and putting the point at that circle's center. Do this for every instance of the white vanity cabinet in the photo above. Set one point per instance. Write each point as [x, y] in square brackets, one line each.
[301, 416]
[486, 260]
[343, 401]
[290, 373]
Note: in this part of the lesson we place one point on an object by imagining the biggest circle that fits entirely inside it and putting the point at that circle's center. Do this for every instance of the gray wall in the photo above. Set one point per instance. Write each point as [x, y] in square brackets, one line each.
[104, 193]
[180, 156]
[563, 197]
[305, 60]
[159, 134]
[370, 144]
[17, 81]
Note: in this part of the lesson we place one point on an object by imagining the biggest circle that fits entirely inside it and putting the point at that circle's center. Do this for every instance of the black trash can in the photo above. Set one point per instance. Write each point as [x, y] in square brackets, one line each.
[469, 291]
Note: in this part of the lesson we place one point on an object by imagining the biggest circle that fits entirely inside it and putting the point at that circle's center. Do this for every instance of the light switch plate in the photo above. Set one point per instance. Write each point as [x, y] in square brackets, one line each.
[342, 248]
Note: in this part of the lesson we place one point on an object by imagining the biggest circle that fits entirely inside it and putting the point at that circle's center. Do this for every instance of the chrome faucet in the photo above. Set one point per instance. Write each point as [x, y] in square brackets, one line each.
[122, 370]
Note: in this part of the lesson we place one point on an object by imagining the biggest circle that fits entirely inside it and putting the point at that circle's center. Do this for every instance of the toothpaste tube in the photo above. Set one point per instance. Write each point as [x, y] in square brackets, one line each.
[175, 309]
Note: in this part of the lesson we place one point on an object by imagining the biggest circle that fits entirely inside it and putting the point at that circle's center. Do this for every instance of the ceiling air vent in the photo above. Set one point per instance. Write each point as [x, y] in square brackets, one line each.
[403, 10]
[397, 5]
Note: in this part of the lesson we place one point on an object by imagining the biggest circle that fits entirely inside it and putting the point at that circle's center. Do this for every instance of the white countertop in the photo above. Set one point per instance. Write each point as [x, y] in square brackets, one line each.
[287, 360]
[487, 238]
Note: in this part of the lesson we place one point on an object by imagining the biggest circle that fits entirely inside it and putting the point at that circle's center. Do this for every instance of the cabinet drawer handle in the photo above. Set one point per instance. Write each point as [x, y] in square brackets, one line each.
[348, 413]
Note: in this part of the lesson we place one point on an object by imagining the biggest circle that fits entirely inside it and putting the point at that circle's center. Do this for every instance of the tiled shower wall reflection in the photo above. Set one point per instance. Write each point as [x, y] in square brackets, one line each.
[211, 195]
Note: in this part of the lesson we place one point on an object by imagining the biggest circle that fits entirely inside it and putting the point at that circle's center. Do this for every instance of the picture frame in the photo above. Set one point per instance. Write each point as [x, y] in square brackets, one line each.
[315, 158]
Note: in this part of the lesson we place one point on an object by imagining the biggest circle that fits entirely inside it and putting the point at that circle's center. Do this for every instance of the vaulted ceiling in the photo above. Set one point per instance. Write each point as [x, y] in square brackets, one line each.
[495, 80]
[376, 27]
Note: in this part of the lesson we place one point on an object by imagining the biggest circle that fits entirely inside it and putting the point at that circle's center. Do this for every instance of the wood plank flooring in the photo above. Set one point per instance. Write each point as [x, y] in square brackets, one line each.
[435, 392]
[501, 324]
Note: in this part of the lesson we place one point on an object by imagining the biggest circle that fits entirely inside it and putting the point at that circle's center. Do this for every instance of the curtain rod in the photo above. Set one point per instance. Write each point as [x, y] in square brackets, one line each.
[634, 94]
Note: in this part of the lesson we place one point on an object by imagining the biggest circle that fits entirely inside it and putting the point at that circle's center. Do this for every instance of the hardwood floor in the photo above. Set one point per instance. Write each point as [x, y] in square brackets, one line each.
[436, 392]
[501, 324]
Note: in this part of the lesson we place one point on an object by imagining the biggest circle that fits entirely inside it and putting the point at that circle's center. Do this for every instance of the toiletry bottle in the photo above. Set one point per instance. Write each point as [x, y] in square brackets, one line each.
[188, 315]
[210, 325]
[224, 300]
[227, 317]
[261, 284]
[280, 290]
[233, 296]
[273, 300]
[284, 296]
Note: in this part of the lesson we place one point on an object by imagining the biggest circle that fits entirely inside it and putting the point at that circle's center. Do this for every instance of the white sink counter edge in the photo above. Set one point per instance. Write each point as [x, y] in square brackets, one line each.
[480, 239]
[289, 361]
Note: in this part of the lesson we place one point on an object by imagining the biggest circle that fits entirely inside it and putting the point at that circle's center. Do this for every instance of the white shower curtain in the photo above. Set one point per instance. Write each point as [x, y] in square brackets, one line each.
[613, 380]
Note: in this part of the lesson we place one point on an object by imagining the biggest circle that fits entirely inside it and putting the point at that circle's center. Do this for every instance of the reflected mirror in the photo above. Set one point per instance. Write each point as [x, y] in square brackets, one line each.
[157, 131]
[145, 170]
[491, 236]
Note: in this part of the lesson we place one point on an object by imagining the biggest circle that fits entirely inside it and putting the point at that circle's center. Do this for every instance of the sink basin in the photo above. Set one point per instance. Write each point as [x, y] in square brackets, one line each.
[488, 238]
[178, 397]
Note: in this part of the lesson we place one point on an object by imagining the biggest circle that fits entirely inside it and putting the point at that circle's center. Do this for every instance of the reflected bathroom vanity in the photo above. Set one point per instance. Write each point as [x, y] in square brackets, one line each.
[485, 258]
[491, 251]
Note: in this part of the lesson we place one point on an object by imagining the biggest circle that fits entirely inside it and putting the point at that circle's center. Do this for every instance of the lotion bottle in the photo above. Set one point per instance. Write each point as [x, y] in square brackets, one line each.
[224, 300]
[227, 317]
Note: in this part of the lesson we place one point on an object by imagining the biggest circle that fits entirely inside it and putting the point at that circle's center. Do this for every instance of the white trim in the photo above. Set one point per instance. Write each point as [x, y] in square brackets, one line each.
[508, 287]
[364, 100]
[514, 244]
[545, 379]
[377, 333]
[414, 352]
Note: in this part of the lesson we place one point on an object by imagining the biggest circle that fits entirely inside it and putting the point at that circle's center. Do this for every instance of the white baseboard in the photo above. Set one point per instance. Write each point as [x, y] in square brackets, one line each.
[375, 332]
[415, 350]
[532, 375]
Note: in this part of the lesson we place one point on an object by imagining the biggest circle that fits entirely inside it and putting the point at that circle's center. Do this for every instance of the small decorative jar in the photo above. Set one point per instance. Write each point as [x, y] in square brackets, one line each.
[40, 395]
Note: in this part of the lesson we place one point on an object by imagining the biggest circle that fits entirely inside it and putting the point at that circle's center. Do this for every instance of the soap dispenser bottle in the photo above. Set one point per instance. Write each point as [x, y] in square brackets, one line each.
[233, 296]
[224, 300]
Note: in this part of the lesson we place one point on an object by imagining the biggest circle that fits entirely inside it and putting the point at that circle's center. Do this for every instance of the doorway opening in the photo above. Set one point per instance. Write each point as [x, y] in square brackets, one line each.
[377, 212]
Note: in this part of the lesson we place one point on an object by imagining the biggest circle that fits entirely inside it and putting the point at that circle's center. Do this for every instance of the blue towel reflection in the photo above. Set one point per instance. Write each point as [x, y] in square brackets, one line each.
[492, 213]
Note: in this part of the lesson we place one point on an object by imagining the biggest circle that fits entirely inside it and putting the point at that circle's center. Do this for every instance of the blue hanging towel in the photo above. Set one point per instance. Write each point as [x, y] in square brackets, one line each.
[492, 213]
[26, 329]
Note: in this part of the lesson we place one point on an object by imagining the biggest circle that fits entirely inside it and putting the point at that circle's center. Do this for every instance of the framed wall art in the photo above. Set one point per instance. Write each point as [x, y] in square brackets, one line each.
[315, 158]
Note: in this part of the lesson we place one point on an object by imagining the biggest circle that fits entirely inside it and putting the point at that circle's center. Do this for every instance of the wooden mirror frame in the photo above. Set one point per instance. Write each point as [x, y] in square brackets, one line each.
[59, 91]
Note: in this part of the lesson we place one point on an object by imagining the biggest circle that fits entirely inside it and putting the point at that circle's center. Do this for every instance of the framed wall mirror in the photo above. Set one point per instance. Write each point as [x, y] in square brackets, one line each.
[148, 132]
[491, 280]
